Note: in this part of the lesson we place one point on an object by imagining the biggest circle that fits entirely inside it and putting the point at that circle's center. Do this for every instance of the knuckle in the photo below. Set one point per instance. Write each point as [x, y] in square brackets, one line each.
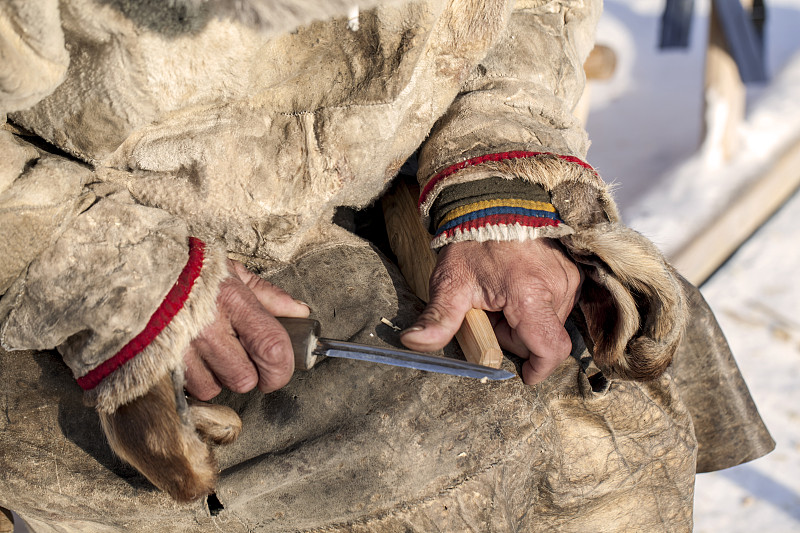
[275, 361]
[495, 299]
[449, 277]
[242, 382]
[230, 294]
[534, 297]
[272, 348]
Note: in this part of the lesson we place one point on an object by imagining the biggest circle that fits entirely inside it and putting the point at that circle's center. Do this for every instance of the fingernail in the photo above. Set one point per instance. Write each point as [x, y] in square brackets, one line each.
[411, 329]
[302, 303]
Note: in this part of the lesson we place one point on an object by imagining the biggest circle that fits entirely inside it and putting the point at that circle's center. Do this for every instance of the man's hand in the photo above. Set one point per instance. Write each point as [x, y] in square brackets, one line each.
[532, 286]
[245, 346]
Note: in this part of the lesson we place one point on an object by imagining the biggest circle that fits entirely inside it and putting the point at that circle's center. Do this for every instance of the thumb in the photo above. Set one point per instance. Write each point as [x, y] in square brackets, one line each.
[439, 322]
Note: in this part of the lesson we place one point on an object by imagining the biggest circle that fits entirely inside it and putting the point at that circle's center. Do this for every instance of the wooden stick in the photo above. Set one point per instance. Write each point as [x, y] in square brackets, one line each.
[411, 244]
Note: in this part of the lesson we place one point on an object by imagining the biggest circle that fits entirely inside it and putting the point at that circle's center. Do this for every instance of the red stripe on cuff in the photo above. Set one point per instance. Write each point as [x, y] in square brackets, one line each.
[500, 220]
[491, 158]
[173, 302]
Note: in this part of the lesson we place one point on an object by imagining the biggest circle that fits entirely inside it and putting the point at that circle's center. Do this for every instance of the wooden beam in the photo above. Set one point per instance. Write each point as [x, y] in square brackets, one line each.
[748, 211]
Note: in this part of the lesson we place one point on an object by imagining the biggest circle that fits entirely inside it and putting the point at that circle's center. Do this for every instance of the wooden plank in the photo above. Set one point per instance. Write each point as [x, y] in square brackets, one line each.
[751, 208]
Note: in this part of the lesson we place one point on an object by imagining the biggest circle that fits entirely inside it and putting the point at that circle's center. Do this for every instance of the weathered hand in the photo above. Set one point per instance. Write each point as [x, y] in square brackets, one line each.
[245, 346]
[532, 286]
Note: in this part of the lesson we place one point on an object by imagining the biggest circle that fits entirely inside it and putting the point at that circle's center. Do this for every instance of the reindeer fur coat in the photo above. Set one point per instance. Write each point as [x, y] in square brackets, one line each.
[146, 141]
[246, 132]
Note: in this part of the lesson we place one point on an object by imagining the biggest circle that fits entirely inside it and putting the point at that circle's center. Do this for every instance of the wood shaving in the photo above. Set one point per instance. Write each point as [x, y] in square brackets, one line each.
[389, 323]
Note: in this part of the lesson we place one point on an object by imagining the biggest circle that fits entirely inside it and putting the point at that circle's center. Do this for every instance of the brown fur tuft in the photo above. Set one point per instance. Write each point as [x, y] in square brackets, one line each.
[148, 433]
[215, 423]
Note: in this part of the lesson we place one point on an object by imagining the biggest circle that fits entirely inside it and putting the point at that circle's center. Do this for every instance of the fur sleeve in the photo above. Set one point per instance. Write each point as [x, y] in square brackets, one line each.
[514, 120]
[120, 294]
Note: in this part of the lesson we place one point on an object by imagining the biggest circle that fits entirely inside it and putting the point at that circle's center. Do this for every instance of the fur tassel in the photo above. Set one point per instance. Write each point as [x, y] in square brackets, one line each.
[149, 434]
[160, 435]
[215, 423]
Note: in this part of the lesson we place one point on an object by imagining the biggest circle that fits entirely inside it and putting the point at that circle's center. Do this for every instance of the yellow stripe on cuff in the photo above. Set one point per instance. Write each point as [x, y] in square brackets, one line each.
[486, 204]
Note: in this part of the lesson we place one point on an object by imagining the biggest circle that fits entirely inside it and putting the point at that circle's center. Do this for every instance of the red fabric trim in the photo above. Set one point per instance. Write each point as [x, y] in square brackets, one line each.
[494, 158]
[173, 302]
[503, 219]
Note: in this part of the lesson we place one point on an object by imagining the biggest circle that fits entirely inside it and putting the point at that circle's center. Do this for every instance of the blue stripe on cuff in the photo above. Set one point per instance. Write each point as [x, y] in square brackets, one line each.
[498, 211]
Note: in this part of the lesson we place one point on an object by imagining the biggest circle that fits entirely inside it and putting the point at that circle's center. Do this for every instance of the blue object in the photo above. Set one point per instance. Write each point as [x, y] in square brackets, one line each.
[743, 32]
[676, 24]
[743, 41]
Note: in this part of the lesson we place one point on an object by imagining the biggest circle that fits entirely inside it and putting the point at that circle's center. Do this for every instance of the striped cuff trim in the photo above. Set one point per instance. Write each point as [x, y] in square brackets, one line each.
[169, 307]
[525, 217]
[491, 217]
[499, 205]
[502, 156]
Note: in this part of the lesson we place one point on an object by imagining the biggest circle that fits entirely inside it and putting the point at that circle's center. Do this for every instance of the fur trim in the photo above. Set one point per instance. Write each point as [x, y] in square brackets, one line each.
[632, 301]
[217, 424]
[570, 185]
[165, 352]
[543, 168]
[502, 232]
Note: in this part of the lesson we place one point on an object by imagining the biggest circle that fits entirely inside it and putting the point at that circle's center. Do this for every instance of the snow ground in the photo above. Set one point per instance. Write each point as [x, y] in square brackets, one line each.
[645, 129]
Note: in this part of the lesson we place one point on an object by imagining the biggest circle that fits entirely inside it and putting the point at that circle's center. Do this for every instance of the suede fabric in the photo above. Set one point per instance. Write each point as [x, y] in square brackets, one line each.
[34, 57]
[40, 194]
[728, 428]
[353, 446]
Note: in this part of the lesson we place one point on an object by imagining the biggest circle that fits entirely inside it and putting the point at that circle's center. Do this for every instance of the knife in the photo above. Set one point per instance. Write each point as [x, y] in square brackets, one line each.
[309, 349]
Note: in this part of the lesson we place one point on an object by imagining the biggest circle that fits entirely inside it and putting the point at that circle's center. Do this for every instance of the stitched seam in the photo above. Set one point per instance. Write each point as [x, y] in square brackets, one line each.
[170, 306]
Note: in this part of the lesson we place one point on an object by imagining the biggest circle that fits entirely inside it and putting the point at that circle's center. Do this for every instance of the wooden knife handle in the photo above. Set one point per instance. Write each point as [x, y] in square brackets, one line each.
[303, 332]
[411, 244]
